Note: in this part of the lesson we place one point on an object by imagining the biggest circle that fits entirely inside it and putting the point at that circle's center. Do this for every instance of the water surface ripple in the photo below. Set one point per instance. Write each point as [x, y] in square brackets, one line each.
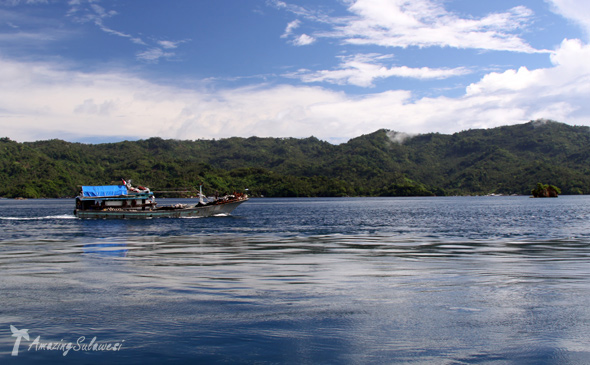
[381, 280]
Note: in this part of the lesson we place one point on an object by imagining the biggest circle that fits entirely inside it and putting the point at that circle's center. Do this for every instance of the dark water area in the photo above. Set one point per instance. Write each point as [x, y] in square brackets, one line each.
[457, 280]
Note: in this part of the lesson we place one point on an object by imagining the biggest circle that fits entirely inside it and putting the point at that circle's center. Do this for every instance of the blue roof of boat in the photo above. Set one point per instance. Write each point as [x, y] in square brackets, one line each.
[105, 190]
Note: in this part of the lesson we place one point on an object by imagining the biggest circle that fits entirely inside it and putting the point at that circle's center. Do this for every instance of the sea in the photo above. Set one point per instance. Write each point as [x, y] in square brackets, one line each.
[433, 280]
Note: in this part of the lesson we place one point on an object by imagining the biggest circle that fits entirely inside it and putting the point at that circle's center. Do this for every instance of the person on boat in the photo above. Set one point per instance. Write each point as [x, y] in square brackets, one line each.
[142, 188]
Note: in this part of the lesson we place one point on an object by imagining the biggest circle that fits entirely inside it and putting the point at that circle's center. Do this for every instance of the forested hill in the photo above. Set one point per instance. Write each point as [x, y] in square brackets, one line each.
[504, 160]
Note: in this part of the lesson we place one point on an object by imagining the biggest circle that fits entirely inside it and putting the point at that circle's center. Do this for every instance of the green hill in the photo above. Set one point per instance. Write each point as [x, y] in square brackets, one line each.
[503, 160]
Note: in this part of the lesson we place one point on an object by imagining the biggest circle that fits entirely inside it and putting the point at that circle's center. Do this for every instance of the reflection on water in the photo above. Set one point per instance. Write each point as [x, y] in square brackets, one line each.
[106, 249]
[454, 280]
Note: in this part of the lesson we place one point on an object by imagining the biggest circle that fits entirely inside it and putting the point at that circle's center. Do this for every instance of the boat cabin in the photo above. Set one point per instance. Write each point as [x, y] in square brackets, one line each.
[114, 197]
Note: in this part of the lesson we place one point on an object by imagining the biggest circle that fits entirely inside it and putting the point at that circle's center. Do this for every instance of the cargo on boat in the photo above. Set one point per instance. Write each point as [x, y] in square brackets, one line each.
[125, 201]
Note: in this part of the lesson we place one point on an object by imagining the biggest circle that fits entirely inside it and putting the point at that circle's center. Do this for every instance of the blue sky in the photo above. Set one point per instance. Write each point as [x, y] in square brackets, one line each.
[100, 71]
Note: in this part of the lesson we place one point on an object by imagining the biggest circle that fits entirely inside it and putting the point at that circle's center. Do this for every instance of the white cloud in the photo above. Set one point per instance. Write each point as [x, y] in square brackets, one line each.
[423, 23]
[24, 29]
[169, 44]
[17, 2]
[556, 93]
[89, 107]
[83, 12]
[92, 12]
[363, 69]
[101, 13]
[42, 101]
[303, 40]
[576, 10]
[300, 11]
[300, 40]
[398, 137]
[569, 77]
[290, 28]
[153, 55]
[30, 38]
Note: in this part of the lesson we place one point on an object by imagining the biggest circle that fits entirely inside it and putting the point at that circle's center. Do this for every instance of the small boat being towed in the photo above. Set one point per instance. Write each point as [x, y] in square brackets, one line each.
[125, 201]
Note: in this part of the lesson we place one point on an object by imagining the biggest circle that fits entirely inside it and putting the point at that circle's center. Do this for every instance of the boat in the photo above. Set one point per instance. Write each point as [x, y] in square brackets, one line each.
[128, 202]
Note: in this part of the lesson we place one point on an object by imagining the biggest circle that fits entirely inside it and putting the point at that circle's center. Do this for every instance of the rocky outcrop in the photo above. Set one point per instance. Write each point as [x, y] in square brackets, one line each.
[545, 191]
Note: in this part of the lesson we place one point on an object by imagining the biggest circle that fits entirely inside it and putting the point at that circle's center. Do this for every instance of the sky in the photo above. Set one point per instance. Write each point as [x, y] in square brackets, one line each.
[97, 71]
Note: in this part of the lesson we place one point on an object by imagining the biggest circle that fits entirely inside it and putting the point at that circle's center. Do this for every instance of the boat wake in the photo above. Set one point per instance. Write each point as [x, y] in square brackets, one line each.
[63, 216]
[214, 215]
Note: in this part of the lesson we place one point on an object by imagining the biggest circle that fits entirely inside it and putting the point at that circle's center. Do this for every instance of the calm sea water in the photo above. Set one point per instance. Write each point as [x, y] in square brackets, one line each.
[501, 280]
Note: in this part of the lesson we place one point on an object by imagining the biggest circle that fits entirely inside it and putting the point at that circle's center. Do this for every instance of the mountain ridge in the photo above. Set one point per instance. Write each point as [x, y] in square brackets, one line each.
[502, 160]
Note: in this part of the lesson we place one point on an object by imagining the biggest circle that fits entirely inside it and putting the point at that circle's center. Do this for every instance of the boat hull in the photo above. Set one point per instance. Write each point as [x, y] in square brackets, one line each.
[192, 211]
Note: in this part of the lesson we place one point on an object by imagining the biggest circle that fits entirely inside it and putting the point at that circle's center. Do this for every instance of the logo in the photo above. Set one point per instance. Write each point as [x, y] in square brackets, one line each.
[61, 346]
[18, 334]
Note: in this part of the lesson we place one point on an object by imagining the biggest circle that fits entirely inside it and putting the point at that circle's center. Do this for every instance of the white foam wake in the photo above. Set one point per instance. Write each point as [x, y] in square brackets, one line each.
[63, 216]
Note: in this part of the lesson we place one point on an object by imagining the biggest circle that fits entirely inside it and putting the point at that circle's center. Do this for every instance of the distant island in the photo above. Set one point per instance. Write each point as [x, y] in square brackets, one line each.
[545, 191]
[502, 160]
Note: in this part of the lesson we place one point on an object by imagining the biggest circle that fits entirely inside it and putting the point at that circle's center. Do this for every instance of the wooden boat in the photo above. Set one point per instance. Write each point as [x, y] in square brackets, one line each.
[127, 202]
